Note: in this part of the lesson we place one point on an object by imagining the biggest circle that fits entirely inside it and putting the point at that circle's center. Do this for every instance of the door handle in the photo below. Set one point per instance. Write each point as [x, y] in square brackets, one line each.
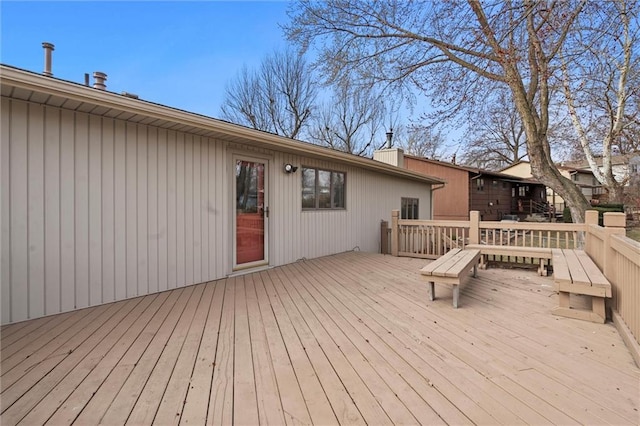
[264, 211]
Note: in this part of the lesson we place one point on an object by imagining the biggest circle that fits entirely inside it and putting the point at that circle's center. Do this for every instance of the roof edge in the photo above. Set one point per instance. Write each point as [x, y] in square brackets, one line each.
[11, 76]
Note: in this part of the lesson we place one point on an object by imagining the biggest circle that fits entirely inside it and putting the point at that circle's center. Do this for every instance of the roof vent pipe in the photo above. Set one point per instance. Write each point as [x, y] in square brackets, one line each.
[48, 48]
[390, 138]
[86, 79]
[98, 80]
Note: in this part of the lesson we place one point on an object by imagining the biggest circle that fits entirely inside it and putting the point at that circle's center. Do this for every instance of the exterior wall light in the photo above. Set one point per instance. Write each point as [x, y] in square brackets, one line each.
[289, 168]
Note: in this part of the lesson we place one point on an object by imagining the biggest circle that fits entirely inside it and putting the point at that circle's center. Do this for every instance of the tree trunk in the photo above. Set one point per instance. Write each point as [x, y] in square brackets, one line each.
[542, 166]
[616, 194]
[549, 175]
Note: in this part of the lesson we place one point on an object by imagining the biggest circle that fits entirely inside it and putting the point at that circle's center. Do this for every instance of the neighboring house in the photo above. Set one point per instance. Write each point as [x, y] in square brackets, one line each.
[493, 194]
[106, 197]
[522, 169]
[622, 166]
[580, 173]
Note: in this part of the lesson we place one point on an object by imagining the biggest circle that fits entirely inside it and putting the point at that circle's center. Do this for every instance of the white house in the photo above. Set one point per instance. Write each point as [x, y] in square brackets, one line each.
[107, 197]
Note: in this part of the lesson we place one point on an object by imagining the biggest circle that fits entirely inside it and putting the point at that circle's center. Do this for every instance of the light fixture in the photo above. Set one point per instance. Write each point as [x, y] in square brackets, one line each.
[290, 168]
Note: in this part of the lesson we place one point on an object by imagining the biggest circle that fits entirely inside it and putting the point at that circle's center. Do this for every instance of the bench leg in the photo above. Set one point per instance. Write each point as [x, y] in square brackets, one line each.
[432, 291]
[483, 261]
[475, 270]
[597, 306]
[597, 313]
[456, 294]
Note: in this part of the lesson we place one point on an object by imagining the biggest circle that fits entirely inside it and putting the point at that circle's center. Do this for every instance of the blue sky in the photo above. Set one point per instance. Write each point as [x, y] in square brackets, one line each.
[179, 54]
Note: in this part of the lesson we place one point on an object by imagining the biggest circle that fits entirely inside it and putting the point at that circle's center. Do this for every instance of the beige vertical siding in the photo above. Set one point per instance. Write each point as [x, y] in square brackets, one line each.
[97, 209]
[393, 156]
[370, 197]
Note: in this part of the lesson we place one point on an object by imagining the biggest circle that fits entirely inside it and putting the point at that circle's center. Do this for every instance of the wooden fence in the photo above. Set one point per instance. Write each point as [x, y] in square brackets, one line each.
[615, 254]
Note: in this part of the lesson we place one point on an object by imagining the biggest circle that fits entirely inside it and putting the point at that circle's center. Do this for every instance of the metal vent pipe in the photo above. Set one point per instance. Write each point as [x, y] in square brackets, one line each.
[98, 80]
[48, 48]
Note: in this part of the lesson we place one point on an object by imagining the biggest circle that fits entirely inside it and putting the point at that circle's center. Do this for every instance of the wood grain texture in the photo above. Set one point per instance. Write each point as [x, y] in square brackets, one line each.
[344, 339]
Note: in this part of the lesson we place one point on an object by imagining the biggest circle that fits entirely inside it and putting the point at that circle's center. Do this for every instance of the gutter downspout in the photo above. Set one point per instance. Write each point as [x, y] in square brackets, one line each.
[442, 185]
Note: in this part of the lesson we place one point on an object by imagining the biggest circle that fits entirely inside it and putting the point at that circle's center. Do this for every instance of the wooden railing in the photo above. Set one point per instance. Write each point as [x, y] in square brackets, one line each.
[619, 258]
[616, 255]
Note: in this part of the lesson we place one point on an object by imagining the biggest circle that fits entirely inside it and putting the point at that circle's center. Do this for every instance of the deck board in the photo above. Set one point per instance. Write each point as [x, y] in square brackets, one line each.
[348, 339]
[268, 396]
[319, 382]
[197, 401]
[245, 406]
[88, 373]
[220, 409]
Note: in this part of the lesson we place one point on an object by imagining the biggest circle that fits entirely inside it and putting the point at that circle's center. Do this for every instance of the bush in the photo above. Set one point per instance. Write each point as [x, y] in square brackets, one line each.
[566, 215]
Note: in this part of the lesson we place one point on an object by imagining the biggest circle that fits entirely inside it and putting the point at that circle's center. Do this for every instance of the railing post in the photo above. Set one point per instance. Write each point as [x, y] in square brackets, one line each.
[590, 218]
[474, 227]
[614, 224]
[395, 215]
[384, 237]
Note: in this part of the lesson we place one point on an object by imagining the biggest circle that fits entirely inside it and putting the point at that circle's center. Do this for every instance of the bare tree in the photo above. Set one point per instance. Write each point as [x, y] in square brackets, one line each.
[495, 136]
[277, 98]
[453, 51]
[423, 141]
[350, 121]
[601, 88]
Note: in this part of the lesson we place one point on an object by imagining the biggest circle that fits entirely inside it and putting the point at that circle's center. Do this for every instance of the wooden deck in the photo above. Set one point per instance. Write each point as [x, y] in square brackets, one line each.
[349, 339]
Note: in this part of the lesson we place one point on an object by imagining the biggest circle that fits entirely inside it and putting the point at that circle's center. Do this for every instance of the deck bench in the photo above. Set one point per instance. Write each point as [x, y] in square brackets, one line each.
[543, 254]
[575, 273]
[452, 269]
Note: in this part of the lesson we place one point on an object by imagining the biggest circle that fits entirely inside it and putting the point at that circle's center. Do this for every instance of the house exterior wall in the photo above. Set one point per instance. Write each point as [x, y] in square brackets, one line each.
[586, 181]
[96, 209]
[492, 199]
[522, 169]
[393, 156]
[452, 201]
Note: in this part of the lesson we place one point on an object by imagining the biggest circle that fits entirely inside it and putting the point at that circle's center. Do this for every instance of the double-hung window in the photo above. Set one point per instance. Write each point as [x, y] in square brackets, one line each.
[322, 189]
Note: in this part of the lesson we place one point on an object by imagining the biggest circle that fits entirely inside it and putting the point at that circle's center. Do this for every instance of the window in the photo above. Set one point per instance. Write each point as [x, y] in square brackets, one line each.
[480, 184]
[522, 191]
[322, 189]
[409, 208]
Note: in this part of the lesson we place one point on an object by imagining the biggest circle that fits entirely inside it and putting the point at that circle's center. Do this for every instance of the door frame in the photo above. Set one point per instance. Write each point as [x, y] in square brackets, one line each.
[267, 163]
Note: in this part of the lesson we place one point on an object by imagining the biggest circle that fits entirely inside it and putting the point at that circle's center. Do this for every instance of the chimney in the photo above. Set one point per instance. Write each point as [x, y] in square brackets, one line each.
[98, 80]
[48, 48]
[86, 79]
[389, 137]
